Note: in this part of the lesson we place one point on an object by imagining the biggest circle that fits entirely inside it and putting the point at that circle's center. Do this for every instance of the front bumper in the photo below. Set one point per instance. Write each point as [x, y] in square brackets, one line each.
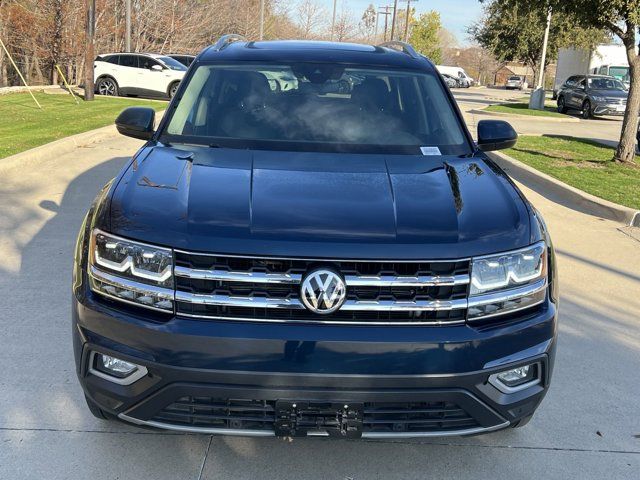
[609, 109]
[243, 379]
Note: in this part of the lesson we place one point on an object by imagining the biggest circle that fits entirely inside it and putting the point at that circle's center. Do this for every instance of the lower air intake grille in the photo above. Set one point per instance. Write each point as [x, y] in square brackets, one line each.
[410, 417]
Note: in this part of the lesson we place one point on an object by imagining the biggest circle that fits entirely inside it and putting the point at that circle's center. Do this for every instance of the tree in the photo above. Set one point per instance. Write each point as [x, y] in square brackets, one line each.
[424, 36]
[621, 19]
[344, 29]
[310, 17]
[478, 62]
[368, 22]
[513, 30]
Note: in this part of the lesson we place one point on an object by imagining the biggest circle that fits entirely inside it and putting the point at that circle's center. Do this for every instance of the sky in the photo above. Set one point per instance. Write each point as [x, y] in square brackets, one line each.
[456, 14]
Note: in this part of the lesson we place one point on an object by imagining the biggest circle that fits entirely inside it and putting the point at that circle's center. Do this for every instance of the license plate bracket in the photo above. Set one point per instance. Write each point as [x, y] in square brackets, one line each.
[297, 419]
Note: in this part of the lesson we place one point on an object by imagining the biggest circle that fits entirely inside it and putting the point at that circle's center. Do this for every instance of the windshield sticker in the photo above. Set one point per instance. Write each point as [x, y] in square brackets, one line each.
[430, 150]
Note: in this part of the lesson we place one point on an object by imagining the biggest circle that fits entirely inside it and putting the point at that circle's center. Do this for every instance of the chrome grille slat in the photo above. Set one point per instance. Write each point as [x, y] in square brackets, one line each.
[294, 303]
[267, 289]
[399, 281]
[295, 278]
[225, 276]
[248, 302]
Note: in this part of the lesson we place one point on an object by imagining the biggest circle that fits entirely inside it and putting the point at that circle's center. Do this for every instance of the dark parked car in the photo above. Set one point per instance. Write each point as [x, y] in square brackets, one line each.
[451, 82]
[311, 261]
[184, 59]
[593, 95]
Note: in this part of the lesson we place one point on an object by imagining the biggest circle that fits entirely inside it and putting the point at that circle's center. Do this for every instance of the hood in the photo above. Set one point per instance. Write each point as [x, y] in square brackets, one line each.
[318, 204]
[610, 93]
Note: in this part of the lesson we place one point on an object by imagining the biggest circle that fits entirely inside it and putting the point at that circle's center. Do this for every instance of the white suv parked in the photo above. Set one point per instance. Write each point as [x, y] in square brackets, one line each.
[142, 74]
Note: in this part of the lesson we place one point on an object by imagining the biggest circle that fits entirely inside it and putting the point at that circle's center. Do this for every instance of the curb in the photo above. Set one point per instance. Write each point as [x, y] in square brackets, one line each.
[533, 118]
[57, 147]
[565, 194]
[34, 88]
[63, 146]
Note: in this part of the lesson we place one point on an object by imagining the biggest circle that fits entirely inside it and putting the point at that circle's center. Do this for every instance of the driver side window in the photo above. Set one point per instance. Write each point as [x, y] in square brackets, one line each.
[147, 63]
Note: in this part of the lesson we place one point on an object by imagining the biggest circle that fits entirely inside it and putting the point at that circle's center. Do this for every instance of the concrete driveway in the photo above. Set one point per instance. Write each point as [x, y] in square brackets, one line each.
[587, 427]
[606, 130]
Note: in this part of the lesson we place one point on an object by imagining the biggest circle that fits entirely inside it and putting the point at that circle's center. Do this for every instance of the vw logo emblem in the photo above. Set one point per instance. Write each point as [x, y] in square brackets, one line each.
[323, 291]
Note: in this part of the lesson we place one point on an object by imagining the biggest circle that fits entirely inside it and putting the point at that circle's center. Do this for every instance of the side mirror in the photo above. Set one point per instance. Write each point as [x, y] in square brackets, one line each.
[156, 68]
[136, 122]
[495, 135]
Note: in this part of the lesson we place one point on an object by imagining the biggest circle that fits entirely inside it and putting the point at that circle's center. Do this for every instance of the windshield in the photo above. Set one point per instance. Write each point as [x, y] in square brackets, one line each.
[172, 63]
[514, 78]
[606, 84]
[621, 73]
[316, 107]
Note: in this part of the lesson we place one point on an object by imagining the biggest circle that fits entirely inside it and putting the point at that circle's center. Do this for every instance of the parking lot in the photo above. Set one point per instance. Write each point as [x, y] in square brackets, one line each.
[473, 100]
[587, 427]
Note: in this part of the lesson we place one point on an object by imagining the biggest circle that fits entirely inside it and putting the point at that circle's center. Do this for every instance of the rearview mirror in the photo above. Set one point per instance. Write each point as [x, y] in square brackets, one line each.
[136, 122]
[495, 135]
[156, 68]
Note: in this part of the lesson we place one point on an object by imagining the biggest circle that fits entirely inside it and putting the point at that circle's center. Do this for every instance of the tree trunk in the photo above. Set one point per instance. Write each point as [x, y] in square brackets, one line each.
[56, 41]
[626, 150]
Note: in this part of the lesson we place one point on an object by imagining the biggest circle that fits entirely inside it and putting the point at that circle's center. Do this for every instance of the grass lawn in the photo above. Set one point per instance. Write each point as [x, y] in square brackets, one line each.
[581, 164]
[523, 109]
[24, 126]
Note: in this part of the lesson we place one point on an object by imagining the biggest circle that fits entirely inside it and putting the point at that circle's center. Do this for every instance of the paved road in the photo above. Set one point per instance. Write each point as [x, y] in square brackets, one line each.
[588, 427]
[607, 130]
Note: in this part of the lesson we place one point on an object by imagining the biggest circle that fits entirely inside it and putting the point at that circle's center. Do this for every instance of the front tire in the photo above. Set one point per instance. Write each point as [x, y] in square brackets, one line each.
[107, 86]
[586, 110]
[562, 107]
[173, 88]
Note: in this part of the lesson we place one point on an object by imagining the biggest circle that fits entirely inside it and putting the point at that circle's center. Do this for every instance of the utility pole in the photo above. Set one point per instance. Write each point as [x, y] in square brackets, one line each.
[127, 27]
[261, 19]
[89, 49]
[537, 99]
[333, 19]
[393, 19]
[386, 14]
[407, 19]
[544, 50]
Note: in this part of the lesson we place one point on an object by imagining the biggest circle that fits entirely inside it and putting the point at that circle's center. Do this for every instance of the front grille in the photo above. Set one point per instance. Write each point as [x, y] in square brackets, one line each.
[267, 289]
[378, 417]
[416, 417]
[219, 413]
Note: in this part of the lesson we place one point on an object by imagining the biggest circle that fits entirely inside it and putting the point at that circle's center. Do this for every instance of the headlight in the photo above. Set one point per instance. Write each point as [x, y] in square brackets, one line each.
[508, 281]
[598, 98]
[130, 271]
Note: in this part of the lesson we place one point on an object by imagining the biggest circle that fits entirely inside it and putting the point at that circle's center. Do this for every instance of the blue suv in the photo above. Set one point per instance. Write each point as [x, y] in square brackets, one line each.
[311, 243]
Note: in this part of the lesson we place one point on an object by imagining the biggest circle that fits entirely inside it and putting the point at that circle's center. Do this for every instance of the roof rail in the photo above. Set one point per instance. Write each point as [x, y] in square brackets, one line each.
[227, 39]
[406, 48]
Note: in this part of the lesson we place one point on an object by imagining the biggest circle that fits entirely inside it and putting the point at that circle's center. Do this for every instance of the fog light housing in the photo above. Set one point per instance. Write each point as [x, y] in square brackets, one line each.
[115, 369]
[516, 379]
[115, 366]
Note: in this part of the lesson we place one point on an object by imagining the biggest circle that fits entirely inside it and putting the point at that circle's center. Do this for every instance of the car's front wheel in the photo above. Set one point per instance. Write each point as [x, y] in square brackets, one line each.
[173, 89]
[107, 86]
[562, 107]
[587, 113]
